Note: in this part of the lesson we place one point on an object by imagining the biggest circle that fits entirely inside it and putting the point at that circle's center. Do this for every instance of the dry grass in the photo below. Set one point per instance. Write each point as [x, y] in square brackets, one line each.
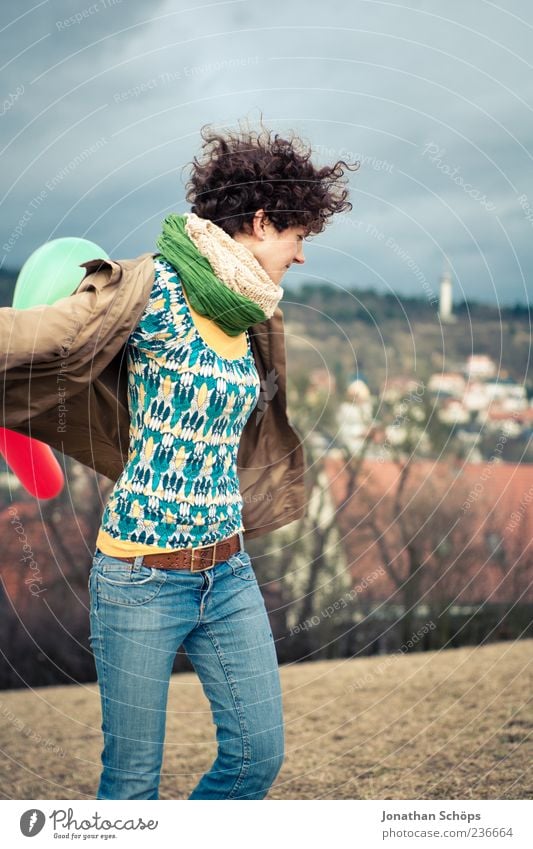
[455, 724]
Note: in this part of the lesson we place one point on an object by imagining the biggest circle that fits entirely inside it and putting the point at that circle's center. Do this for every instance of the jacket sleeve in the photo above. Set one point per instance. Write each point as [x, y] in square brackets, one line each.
[44, 334]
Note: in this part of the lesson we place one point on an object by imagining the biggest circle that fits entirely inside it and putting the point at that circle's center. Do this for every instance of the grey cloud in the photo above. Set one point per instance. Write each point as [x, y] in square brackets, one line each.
[370, 79]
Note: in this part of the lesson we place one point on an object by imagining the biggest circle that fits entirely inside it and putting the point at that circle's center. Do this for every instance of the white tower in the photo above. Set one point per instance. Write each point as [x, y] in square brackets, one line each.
[446, 301]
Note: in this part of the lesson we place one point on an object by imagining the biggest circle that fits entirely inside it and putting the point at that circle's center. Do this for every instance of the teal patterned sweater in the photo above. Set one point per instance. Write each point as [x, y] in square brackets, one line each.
[188, 407]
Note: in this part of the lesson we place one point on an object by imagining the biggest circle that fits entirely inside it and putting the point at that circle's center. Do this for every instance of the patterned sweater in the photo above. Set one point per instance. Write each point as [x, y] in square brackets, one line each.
[188, 406]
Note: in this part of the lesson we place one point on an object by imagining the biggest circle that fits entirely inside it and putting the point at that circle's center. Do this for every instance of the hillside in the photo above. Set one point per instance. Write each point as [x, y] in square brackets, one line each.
[452, 724]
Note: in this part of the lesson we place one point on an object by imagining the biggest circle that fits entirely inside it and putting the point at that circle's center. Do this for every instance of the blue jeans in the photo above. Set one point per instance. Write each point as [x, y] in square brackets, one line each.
[139, 617]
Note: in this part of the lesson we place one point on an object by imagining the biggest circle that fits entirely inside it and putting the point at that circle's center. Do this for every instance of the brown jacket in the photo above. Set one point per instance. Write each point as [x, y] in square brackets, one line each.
[64, 381]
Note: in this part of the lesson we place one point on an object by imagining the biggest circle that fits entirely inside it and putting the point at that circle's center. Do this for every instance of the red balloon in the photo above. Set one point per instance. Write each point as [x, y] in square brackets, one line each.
[33, 462]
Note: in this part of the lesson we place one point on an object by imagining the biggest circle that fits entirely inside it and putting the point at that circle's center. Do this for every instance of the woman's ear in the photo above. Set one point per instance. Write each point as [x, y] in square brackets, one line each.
[258, 224]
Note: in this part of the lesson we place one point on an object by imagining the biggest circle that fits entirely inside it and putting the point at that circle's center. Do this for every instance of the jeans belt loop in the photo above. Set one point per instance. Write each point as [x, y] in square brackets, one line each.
[137, 563]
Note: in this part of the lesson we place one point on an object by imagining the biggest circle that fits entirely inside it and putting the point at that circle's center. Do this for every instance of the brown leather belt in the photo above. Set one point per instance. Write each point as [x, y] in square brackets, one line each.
[193, 559]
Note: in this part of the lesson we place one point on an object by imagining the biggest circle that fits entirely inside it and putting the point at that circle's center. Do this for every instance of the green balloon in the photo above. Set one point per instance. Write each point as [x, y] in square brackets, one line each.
[53, 271]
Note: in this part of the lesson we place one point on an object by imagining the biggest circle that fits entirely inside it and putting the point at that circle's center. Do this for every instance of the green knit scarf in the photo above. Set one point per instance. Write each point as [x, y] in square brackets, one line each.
[207, 294]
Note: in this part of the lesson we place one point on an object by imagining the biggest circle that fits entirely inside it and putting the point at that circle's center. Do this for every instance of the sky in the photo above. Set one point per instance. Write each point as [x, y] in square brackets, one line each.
[103, 103]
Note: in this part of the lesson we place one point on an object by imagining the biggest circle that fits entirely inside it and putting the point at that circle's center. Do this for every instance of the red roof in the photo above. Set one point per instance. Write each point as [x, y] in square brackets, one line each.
[467, 507]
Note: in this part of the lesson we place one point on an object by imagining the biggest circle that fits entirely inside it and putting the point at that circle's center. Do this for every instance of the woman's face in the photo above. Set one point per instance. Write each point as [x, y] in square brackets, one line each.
[273, 250]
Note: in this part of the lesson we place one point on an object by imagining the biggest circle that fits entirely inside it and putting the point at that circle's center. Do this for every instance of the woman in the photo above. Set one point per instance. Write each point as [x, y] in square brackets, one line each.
[170, 567]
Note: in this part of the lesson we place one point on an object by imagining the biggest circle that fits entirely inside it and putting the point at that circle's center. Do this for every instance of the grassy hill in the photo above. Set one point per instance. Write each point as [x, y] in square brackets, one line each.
[455, 724]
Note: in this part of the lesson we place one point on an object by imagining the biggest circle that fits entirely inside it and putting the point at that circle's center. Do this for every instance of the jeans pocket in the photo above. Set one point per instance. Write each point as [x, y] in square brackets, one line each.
[241, 565]
[118, 583]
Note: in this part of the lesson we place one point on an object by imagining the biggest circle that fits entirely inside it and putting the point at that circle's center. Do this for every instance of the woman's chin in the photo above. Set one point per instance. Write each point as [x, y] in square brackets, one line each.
[275, 276]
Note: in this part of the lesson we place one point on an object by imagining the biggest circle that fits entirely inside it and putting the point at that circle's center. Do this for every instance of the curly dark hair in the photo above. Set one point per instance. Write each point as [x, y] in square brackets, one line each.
[239, 172]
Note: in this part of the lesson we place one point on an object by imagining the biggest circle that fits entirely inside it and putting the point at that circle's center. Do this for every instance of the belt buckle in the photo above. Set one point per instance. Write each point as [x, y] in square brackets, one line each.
[192, 569]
